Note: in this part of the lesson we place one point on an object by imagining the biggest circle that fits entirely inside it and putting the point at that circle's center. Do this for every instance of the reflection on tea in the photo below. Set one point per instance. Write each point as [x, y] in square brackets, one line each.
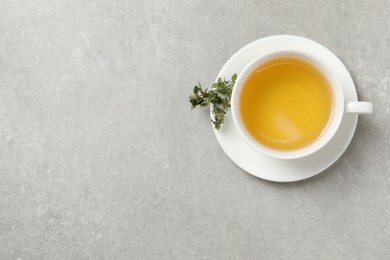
[286, 103]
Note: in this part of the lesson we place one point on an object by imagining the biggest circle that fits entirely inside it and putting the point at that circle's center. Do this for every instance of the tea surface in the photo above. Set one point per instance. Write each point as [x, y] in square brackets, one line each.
[286, 103]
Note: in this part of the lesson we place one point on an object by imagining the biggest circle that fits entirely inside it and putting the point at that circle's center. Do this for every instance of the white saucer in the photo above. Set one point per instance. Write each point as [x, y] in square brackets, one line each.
[279, 170]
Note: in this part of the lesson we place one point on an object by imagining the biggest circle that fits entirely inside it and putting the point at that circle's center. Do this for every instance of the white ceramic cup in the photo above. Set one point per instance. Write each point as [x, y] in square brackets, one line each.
[340, 105]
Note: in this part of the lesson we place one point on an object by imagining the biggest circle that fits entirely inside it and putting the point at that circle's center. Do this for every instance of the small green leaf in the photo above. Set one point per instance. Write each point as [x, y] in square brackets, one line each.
[196, 90]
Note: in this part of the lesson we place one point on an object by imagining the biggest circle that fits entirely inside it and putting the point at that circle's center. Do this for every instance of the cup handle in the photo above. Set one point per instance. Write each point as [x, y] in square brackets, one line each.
[358, 107]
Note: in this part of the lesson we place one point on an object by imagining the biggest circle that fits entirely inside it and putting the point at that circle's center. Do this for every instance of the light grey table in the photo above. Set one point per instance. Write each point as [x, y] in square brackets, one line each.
[102, 158]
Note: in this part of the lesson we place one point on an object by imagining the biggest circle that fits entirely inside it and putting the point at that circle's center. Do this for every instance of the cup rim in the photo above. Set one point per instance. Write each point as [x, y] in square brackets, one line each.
[333, 123]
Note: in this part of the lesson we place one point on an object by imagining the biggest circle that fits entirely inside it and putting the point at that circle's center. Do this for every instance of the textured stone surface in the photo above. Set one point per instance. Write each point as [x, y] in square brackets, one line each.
[101, 157]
